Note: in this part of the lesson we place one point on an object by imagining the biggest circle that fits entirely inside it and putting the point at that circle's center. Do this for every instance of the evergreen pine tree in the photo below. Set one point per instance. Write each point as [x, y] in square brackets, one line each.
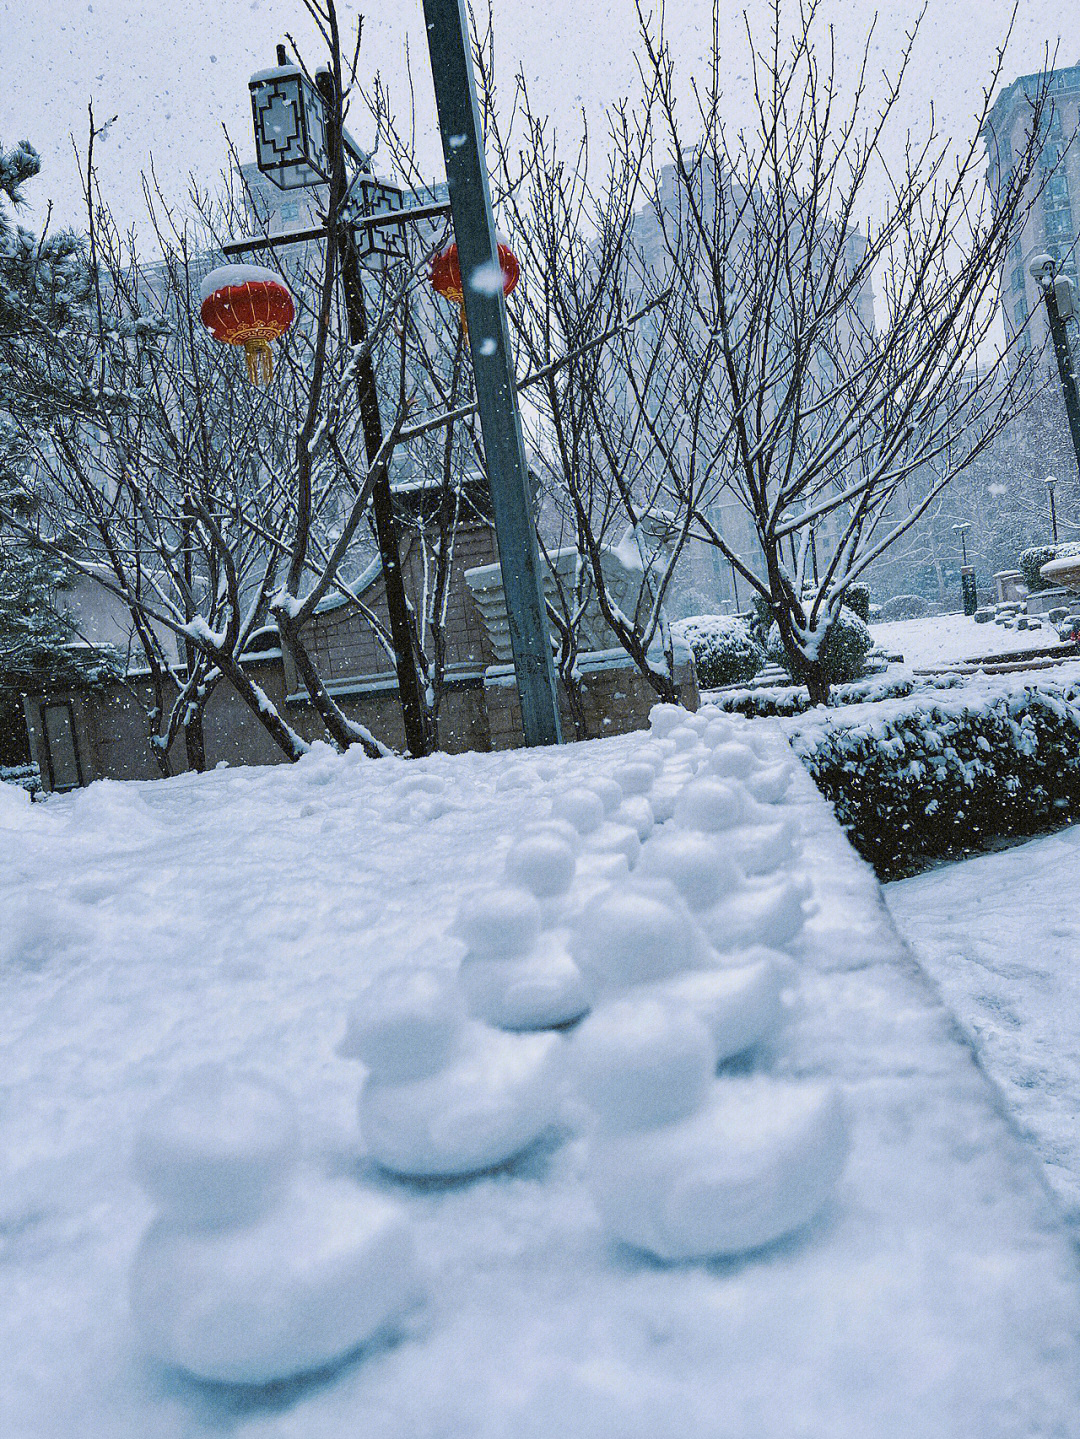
[45, 285]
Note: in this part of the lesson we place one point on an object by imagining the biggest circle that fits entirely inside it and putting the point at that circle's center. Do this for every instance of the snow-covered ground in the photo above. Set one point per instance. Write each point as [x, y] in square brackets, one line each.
[945, 639]
[1000, 934]
[234, 916]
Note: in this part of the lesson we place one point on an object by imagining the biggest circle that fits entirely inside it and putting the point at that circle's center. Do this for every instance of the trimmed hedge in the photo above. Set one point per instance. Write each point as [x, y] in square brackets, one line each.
[905, 607]
[857, 598]
[783, 701]
[844, 654]
[725, 652]
[1032, 561]
[947, 778]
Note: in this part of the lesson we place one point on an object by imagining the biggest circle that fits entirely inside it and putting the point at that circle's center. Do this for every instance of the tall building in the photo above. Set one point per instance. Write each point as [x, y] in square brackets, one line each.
[1052, 222]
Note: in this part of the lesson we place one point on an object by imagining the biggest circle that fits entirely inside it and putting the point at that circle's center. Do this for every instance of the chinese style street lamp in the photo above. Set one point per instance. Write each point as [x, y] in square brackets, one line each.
[294, 147]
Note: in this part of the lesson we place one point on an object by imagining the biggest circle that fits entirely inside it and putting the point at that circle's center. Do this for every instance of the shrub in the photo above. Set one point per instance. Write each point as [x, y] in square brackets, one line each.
[1032, 561]
[946, 777]
[857, 599]
[905, 607]
[725, 652]
[781, 701]
[843, 654]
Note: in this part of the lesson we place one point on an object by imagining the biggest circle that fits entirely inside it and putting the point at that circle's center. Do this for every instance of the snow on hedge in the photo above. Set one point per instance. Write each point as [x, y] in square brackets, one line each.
[917, 778]
[724, 650]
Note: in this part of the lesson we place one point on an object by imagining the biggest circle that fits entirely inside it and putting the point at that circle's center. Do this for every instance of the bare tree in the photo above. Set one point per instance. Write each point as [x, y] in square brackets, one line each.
[833, 424]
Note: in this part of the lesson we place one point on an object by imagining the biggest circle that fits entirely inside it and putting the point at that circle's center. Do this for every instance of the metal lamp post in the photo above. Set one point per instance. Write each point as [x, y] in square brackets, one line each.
[1057, 291]
[489, 345]
[1050, 482]
[968, 585]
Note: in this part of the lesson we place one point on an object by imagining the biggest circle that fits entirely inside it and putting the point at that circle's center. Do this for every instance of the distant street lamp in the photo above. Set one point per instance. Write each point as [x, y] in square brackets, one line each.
[1050, 482]
[968, 584]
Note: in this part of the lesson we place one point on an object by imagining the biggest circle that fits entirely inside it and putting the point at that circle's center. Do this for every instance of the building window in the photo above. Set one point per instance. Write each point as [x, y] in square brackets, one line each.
[1020, 314]
[291, 211]
[1057, 190]
[1018, 279]
[1059, 222]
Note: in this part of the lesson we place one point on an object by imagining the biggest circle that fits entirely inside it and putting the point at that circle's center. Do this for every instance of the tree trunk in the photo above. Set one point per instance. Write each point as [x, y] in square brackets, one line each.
[195, 743]
[338, 727]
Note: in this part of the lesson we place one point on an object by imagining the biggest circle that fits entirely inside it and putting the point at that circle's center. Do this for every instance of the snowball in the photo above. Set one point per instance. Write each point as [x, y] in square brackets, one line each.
[764, 848]
[636, 935]
[580, 807]
[641, 1062]
[739, 1005]
[610, 793]
[544, 990]
[491, 1098]
[663, 718]
[772, 916]
[324, 1270]
[635, 778]
[683, 737]
[756, 1161]
[731, 760]
[770, 785]
[542, 863]
[218, 1146]
[713, 805]
[405, 1022]
[501, 922]
[697, 867]
[616, 839]
[646, 752]
[637, 812]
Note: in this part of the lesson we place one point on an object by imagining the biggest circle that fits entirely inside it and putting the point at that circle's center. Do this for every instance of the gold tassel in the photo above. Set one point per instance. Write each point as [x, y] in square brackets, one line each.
[259, 357]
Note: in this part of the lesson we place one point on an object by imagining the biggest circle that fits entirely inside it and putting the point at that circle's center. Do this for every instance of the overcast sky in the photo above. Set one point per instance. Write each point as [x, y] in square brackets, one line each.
[174, 71]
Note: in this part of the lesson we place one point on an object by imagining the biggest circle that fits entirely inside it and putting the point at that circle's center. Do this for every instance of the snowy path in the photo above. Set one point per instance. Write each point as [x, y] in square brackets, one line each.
[1000, 934]
[150, 926]
[946, 639]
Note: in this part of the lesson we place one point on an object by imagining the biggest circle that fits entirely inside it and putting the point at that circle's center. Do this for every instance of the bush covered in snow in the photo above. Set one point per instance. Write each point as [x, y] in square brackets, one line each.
[725, 652]
[857, 599]
[1032, 561]
[905, 607]
[844, 654]
[781, 701]
[948, 777]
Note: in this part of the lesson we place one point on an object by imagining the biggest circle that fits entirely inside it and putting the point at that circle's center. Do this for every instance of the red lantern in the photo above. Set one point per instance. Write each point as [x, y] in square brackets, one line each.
[250, 306]
[446, 274]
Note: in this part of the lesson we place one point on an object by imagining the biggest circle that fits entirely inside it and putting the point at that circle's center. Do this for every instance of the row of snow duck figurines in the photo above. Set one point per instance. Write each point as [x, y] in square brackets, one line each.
[640, 939]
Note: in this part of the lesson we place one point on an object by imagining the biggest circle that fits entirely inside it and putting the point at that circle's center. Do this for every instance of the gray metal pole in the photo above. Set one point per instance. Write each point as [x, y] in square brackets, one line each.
[1063, 354]
[489, 344]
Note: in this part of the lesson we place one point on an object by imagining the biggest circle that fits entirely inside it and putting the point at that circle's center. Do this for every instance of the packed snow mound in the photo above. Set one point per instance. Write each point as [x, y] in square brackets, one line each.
[238, 917]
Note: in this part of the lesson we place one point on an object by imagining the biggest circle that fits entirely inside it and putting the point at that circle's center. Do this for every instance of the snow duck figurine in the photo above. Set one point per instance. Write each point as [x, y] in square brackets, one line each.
[686, 1166]
[644, 942]
[255, 1270]
[514, 976]
[445, 1095]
